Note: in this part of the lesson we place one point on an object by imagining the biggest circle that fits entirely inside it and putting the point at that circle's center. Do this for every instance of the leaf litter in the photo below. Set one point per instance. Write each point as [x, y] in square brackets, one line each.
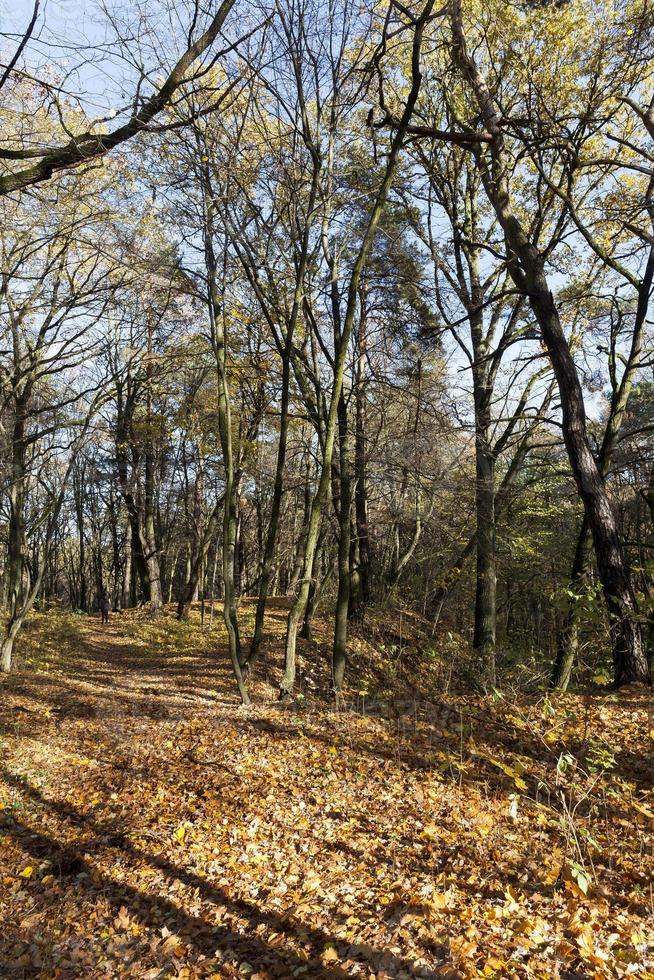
[151, 828]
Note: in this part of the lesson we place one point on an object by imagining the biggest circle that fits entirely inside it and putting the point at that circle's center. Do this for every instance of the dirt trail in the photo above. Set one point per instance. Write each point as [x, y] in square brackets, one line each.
[151, 828]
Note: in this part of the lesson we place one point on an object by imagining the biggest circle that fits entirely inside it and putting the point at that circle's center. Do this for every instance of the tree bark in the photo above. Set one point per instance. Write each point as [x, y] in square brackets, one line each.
[527, 269]
[230, 516]
[275, 510]
[16, 531]
[486, 579]
[299, 605]
[360, 473]
[193, 580]
[568, 641]
[485, 623]
[339, 650]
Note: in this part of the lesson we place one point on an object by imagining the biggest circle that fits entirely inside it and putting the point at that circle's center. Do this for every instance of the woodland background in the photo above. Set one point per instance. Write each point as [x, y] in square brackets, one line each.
[357, 312]
[326, 356]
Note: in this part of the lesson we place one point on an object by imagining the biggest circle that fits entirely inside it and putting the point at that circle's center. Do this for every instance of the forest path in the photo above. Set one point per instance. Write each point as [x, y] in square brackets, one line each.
[152, 828]
[137, 664]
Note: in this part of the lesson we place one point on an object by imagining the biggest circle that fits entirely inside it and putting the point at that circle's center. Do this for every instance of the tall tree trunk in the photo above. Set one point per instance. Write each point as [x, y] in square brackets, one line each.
[125, 405]
[193, 580]
[339, 650]
[275, 509]
[527, 269]
[16, 531]
[20, 613]
[115, 549]
[629, 658]
[297, 610]
[485, 626]
[126, 591]
[22, 608]
[286, 355]
[16, 537]
[568, 641]
[486, 578]
[139, 559]
[149, 536]
[240, 568]
[79, 490]
[196, 543]
[306, 631]
[360, 474]
[300, 540]
[230, 516]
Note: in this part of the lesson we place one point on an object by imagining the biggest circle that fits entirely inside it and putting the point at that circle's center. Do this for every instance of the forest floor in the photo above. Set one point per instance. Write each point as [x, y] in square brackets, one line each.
[152, 828]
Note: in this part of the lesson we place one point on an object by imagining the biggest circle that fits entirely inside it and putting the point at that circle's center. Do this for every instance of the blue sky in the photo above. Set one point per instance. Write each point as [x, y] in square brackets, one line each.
[64, 29]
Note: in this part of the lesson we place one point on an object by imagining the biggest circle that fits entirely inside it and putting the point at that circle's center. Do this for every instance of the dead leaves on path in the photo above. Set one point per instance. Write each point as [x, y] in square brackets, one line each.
[499, 841]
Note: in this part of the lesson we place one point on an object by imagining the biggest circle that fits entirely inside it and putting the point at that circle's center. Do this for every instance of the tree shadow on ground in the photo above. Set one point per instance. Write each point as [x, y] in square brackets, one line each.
[76, 872]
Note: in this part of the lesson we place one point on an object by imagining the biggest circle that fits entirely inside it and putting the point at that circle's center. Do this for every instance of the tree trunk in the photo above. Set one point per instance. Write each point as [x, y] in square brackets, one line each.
[629, 658]
[527, 269]
[115, 550]
[149, 536]
[6, 653]
[190, 588]
[292, 580]
[79, 489]
[140, 562]
[485, 626]
[126, 591]
[193, 580]
[568, 641]
[275, 510]
[16, 531]
[297, 609]
[486, 578]
[230, 516]
[361, 484]
[339, 650]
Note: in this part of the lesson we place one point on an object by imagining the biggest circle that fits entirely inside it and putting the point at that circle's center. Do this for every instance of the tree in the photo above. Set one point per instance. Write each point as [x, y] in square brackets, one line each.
[88, 142]
[498, 156]
[55, 286]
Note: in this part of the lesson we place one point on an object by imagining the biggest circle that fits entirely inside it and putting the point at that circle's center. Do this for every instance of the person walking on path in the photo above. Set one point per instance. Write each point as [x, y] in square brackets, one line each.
[104, 606]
